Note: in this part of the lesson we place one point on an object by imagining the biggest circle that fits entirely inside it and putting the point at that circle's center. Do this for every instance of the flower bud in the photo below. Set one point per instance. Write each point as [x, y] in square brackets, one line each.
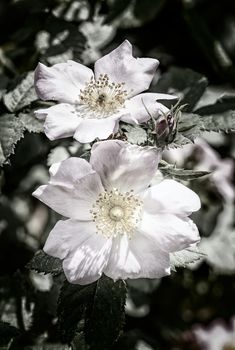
[165, 128]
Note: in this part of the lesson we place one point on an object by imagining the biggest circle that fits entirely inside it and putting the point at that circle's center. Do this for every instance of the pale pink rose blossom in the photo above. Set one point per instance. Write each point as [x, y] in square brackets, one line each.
[92, 104]
[117, 224]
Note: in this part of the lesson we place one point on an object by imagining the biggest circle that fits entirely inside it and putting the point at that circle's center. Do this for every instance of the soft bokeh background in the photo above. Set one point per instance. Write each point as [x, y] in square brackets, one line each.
[194, 40]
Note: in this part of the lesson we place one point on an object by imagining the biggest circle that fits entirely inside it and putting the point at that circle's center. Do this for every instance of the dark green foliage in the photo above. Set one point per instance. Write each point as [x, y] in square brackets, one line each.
[31, 123]
[7, 332]
[223, 104]
[185, 257]
[219, 122]
[22, 94]
[73, 42]
[135, 134]
[191, 85]
[219, 116]
[170, 171]
[191, 125]
[94, 311]
[45, 263]
[11, 131]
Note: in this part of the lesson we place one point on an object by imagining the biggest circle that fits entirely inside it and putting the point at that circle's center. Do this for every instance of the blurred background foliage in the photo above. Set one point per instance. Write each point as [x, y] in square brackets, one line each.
[195, 43]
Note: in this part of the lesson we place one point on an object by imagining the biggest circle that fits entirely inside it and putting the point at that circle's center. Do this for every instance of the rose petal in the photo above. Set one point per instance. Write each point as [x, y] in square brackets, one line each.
[170, 196]
[142, 106]
[68, 172]
[90, 129]
[121, 66]
[73, 189]
[170, 232]
[64, 237]
[61, 82]
[136, 258]
[123, 166]
[60, 120]
[86, 262]
[86, 254]
[160, 97]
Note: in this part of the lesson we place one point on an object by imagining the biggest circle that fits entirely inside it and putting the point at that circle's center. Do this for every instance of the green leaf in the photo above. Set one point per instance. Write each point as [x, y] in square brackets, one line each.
[31, 123]
[41, 262]
[189, 127]
[22, 94]
[188, 121]
[7, 332]
[219, 116]
[185, 83]
[135, 134]
[185, 257]
[11, 131]
[219, 122]
[192, 125]
[170, 171]
[179, 141]
[63, 43]
[96, 309]
[222, 104]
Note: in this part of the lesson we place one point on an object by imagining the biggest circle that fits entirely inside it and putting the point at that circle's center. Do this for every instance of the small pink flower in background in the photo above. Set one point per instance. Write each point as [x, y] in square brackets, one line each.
[92, 104]
[117, 224]
[218, 336]
[207, 159]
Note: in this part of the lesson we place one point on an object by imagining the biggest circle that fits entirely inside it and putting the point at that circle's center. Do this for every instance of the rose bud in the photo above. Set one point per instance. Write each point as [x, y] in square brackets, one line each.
[165, 128]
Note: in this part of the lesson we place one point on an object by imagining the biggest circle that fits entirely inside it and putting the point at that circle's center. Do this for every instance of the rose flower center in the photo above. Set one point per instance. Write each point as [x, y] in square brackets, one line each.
[116, 213]
[102, 96]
